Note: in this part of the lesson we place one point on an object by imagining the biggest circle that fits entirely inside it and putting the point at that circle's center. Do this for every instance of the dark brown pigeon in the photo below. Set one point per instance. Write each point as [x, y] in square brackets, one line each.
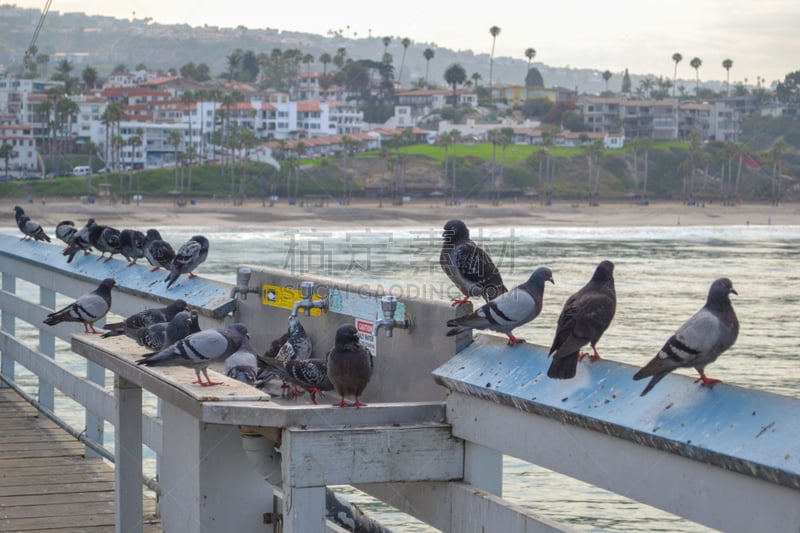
[585, 317]
[700, 340]
[349, 365]
[468, 265]
[144, 318]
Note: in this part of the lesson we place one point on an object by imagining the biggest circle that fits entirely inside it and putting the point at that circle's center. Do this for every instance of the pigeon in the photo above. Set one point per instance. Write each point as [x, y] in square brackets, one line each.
[131, 244]
[144, 318]
[106, 240]
[297, 346]
[30, 228]
[308, 374]
[349, 365]
[161, 334]
[189, 256]
[700, 340]
[65, 230]
[468, 265]
[81, 240]
[242, 366]
[509, 310]
[158, 252]
[199, 349]
[87, 309]
[585, 317]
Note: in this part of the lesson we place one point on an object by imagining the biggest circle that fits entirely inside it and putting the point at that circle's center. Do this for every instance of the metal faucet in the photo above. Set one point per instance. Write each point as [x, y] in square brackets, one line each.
[243, 284]
[306, 303]
[389, 306]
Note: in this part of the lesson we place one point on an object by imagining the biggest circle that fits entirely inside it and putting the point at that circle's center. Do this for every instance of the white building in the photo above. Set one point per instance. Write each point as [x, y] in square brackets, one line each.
[24, 157]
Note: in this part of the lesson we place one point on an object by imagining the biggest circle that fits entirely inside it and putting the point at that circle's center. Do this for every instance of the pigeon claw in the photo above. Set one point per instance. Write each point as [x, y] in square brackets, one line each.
[512, 340]
[707, 381]
[154, 269]
[458, 301]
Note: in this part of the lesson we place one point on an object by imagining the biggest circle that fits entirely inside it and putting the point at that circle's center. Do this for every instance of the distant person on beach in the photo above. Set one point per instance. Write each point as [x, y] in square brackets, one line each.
[44, 201]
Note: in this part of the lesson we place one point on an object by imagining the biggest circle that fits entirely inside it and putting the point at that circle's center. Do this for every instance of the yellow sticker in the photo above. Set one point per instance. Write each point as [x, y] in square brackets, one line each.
[285, 297]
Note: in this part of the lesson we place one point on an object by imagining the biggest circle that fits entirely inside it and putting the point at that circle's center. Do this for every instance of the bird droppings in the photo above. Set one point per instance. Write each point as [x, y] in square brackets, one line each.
[488, 384]
[764, 429]
[606, 401]
[754, 413]
[565, 398]
[655, 429]
[669, 406]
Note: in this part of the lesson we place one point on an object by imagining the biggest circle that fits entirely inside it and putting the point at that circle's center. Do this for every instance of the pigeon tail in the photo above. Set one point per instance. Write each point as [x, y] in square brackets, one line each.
[563, 367]
[656, 378]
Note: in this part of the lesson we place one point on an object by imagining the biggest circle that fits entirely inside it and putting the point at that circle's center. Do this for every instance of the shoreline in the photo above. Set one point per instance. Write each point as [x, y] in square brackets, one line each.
[366, 214]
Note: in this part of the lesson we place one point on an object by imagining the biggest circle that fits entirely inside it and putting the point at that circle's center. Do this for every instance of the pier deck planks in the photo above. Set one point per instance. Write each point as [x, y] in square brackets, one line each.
[46, 484]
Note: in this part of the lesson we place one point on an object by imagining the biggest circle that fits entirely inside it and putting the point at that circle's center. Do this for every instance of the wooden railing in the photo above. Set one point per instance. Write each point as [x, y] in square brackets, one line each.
[441, 416]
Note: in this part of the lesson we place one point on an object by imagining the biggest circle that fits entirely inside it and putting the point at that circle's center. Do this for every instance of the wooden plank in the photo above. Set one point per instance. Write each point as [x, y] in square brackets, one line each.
[55, 479]
[87, 486]
[71, 467]
[71, 498]
[58, 510]
[44, 461]
[335, 456]
[44, 523]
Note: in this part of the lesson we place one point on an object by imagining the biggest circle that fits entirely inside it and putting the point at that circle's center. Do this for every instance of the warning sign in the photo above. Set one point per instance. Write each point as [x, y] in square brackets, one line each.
[366, 334]
[285, 297]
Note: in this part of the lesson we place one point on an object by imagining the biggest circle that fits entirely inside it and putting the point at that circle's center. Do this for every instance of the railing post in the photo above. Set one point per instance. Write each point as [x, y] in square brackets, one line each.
[94, 424]
[7, 323]
[128, 456]
[483, 468]
[47, 345]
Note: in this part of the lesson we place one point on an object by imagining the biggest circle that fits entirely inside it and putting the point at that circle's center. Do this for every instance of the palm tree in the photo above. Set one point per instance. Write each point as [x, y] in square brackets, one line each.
[386, 42]
[406, 42]
[307, 60]
[727, 64]
[89, 76]
[607, 76]
[677, 58]
[494, 31]
[696, 63]
[428, 55]
[530, 53]
[174, 139]
[234, 62]
[6, 153]
[455, 75]
[325, 58]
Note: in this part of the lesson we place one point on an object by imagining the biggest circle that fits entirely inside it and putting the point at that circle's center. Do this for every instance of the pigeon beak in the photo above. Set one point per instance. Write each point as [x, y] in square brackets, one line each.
[734, 291]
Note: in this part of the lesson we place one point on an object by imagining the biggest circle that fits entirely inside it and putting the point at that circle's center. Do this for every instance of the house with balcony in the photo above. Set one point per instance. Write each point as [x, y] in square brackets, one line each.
[24, 157]
[657, 119]
[694, 118]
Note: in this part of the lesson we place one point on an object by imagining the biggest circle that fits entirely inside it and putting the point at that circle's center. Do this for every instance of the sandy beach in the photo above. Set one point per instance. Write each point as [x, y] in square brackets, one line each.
[366, 214]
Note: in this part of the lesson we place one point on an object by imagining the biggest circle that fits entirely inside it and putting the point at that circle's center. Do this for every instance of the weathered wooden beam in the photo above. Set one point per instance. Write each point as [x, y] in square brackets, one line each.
[335, 456]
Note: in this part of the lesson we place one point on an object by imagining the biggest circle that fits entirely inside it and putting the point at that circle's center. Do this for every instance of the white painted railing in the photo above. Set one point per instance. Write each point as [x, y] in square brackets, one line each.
[726, 457]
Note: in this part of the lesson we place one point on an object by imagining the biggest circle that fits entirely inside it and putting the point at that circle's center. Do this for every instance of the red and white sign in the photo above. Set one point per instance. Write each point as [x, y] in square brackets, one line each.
[366, 334]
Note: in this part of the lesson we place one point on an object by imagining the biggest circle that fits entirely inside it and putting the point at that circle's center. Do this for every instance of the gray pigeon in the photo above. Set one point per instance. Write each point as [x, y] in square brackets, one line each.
[144, 318]
[297, 346]
[242, 366]
[87, 309]
[81, 240]
[509, 310]
[585, 317]
[65, 230]
[131, 243]
[308, 374]
[30, 228]
[700, 340]
[349, 365]
[160, 335]
[157, 251]
[199, 349]
[468, 265]
[189, 256]
[106, 241]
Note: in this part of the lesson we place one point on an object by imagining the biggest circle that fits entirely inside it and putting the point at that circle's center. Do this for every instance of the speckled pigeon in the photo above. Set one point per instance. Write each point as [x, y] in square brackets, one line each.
[297, 346]
[131, 243]
[199, 349]
[106, 241]
[700, 340]
[308, 374]
[242, 366]
[584, 318]
[144, 318]
[30, 228]
[158, 252]
[349, 365]
[160, 335]
[468, 265]
[508, 311]
[87, 309]
[189, 256]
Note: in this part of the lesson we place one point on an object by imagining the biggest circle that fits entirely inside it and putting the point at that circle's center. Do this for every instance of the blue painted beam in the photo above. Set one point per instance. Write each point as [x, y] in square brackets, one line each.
[210, 298]
[747, 431]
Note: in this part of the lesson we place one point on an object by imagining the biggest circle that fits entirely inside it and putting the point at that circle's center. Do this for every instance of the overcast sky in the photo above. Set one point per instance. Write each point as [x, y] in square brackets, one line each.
[762, 38]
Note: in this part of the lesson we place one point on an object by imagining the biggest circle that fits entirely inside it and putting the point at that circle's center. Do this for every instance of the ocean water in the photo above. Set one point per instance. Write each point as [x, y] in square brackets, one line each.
[662, 277]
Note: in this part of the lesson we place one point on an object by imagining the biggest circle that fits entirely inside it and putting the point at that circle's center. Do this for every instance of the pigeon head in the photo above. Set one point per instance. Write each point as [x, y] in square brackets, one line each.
[540, 275]
[18, 210]
[108, 283]
[455, 231]
[294, 326]
[720, 291]
[346, 334]
[604, 272]
[153, 235]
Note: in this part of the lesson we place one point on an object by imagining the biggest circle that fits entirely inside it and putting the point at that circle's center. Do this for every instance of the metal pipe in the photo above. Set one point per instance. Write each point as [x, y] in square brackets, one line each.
[243, 284]
[150, 483]
[388, 323]
[306, 303]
